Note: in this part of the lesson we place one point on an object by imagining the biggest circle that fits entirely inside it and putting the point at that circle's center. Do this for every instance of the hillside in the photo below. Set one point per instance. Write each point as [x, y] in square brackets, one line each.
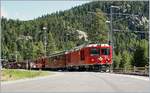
[26, 38]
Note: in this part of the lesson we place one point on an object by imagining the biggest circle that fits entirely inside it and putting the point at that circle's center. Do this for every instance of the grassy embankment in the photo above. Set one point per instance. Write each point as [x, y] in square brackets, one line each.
[14, 74]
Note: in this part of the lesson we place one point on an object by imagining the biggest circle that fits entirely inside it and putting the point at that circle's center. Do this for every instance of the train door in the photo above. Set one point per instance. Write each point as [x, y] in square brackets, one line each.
[82, 55]
[68, 59]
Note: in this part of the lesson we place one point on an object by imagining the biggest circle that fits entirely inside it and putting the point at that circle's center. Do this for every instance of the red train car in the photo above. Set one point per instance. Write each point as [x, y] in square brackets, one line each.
[89, 57]
[56, 61]
[92, 56]
[39, 63]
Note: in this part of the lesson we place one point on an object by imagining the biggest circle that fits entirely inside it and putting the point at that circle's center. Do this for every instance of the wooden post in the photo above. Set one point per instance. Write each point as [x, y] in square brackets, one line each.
[27, 65]
[134, 68]
[146, 70]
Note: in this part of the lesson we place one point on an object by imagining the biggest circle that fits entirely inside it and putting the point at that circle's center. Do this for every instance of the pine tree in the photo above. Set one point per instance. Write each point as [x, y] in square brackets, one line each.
[99, 29]
[51, 46]
[141, 54]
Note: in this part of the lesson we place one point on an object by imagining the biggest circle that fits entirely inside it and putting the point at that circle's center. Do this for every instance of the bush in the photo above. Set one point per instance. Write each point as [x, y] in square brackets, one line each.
[141, 54]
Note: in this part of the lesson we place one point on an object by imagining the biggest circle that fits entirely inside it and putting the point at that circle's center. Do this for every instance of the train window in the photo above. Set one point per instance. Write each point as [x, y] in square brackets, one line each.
[105, 51]
[62, 57]
[95, 51]
[82, 56]
[55, 59]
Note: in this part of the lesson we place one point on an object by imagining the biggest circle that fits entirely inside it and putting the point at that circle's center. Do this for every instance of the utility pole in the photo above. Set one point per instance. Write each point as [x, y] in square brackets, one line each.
[66, 40]
[16, 56]
[45, 40]
[16, 51]
[111, 30]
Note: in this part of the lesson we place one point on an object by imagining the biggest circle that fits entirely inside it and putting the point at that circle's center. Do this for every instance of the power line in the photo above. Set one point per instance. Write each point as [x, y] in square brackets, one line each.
[126, 14]
[125, 31]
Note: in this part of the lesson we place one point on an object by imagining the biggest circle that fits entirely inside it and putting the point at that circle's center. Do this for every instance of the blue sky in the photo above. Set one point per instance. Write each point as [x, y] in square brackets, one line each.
[27, 10]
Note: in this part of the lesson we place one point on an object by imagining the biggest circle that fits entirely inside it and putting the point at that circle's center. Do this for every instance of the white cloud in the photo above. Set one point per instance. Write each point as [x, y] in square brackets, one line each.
[3, 13]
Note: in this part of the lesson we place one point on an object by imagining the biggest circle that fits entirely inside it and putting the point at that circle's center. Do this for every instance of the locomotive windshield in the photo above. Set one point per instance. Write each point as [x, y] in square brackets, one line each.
[105, 51]
[95, 51]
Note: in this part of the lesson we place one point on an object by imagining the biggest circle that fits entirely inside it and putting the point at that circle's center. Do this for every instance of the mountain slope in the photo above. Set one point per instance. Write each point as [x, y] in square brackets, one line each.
[62, 30]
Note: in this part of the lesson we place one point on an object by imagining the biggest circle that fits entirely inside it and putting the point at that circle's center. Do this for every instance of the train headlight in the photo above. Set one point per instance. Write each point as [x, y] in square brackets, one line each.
[100, 58]
[92, 59]
[34, 66]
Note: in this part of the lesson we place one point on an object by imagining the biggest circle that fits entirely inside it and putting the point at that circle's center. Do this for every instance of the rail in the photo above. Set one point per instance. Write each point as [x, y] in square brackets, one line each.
[143, 71]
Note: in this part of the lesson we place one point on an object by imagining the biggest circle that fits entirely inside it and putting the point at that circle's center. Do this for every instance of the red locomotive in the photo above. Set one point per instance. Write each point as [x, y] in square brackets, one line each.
[85, 57]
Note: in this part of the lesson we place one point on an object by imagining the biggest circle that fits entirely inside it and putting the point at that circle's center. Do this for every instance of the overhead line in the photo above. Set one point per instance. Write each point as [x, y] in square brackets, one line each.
[116, 30]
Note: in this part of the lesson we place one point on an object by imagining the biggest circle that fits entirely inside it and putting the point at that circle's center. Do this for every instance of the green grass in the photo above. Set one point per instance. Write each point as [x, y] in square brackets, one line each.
[14, 74]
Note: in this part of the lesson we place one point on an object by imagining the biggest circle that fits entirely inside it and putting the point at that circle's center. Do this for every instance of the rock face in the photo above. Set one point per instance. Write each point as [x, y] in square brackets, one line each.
[138, 23]
[82, 34]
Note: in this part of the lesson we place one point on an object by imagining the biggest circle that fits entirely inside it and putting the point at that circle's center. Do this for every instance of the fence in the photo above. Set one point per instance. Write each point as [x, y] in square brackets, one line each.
[144, 71]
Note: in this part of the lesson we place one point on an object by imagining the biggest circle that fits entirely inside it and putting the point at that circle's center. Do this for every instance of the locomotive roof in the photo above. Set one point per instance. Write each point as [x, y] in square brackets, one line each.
[87, 45]
[77, 48]
[95, 45]
[57, 54]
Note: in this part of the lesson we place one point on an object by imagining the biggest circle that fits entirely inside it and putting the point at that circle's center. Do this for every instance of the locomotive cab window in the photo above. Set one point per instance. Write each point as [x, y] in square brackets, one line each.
[94, 52]
[105, 51]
